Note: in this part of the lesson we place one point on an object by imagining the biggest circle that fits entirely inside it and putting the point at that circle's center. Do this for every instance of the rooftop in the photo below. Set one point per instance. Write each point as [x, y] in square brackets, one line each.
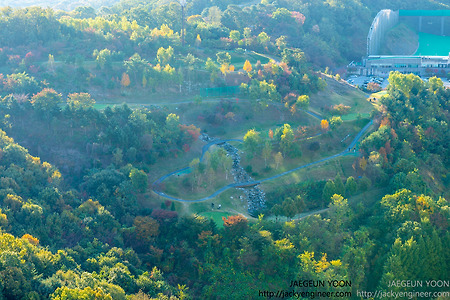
[424, 13]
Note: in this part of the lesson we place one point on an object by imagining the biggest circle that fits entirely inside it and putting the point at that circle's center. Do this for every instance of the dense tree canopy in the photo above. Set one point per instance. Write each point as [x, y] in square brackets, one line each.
[78, 218]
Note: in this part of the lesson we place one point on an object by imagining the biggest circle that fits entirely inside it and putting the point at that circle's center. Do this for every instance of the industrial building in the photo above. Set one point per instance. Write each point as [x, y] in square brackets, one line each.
[381, 65]
[434, 63]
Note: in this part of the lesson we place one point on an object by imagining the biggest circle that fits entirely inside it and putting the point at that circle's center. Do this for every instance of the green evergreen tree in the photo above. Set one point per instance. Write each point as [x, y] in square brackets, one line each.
[351, 186]
[339, 185]
[328, 191]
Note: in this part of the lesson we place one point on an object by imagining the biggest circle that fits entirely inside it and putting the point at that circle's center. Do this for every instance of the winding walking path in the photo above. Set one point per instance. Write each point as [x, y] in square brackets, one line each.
[205, 148]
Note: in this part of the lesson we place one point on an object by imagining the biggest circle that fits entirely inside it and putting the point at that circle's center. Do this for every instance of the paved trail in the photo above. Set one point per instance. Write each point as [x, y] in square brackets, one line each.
[156, 184]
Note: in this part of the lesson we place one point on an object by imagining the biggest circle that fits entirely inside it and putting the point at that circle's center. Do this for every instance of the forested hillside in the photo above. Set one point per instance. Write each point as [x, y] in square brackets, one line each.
[99, 106]
[66, 5]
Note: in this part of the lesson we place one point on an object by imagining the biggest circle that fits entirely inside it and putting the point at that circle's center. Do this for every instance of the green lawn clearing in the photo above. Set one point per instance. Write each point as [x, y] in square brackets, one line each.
[238, 59]
[217, 216]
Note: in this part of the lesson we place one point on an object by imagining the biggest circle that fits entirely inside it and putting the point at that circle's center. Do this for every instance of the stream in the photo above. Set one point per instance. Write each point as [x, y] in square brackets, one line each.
[255, 196]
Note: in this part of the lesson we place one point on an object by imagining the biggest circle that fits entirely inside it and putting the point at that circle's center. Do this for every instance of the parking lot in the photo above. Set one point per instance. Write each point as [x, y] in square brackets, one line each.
[383, 82]
[446, 82]
[363, 80]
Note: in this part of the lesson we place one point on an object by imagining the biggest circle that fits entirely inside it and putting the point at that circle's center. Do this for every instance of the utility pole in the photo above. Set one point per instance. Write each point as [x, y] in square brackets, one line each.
[183, 4]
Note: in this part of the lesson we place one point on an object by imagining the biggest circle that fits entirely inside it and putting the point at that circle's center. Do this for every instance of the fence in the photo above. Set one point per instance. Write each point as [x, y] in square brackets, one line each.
[223, 91]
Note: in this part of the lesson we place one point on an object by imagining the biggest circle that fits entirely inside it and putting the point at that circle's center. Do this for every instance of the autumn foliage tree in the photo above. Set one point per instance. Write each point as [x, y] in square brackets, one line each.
[191, 132]
[80, 101]
[324, 125]
[31, 239]
[47, 100]
[164, 55]
[247, 66]
[230, 116]
[373, 87]
[145, 229]
[125, 82]
[235, 226]
[303, 101]
[224, 68]
[47, 103]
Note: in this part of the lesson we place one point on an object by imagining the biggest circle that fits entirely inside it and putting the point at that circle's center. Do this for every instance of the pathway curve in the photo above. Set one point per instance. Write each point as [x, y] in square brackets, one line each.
[250, 182]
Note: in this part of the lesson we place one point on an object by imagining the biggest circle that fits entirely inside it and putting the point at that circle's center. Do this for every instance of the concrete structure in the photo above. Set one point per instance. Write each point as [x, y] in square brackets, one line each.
[433, 22]
[429, 21]
[382, 65]
[383, 22]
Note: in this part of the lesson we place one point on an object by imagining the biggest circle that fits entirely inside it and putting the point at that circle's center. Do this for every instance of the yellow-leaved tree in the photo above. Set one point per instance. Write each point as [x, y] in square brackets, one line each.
[247, 66]
[224, 68]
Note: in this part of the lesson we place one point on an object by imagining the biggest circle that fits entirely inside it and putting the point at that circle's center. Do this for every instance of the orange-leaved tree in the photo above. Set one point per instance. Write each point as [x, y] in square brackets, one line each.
[235, 226]
[125, 80]
[324, 125]
[31, 239]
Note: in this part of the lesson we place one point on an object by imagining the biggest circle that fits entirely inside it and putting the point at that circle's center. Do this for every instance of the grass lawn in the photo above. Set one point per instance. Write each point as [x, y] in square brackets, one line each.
[378, 95]
[230, 201]
[337, 93]
[140, 97]
[185, 187]
[246, 117]
[354, 116]
[217, 216]
[400, 40]
[171, 163]
[210, 117]
[238, 60]
[330, 144]
[368, 198]
[324, 171]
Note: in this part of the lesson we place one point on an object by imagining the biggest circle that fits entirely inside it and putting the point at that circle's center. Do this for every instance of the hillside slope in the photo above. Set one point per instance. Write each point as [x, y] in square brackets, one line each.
[400, 40]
